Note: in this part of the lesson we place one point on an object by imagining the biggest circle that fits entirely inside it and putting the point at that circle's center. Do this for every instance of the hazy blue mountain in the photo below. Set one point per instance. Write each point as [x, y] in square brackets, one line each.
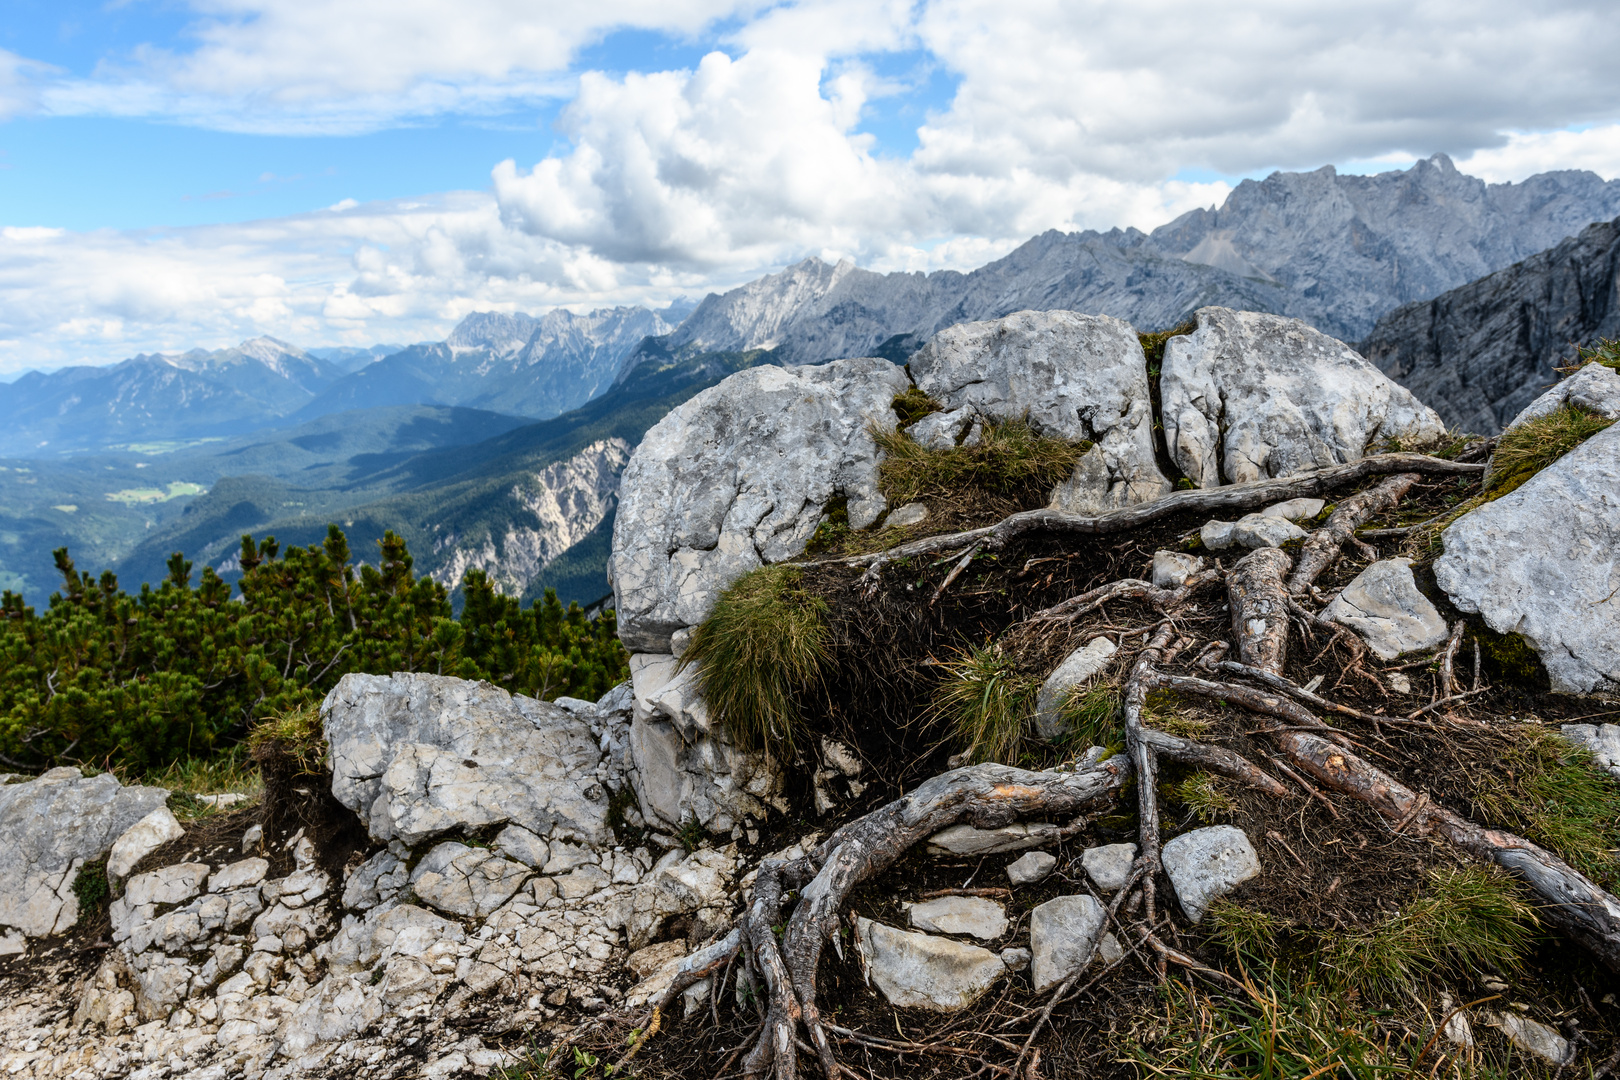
[1336, 251]
[351, 358]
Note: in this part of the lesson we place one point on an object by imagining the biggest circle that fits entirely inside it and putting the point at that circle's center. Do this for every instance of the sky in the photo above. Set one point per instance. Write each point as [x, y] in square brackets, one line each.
[185, 173]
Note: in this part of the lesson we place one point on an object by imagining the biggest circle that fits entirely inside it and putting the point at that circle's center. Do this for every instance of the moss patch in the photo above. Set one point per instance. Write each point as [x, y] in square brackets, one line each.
[913, 405]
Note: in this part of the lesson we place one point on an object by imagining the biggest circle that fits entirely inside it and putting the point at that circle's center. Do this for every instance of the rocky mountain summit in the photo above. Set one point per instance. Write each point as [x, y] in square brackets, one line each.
[1099, 698]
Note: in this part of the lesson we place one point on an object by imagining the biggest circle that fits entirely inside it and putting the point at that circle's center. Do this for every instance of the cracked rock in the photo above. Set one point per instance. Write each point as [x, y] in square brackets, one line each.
[1205, 864]
[1063, 934]
[466, 881]
[921, 971]
[1384, 606]
[971, 915]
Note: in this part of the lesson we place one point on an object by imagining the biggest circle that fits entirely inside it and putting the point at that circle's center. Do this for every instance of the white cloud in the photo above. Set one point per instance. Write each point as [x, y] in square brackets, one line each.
[1596, 149]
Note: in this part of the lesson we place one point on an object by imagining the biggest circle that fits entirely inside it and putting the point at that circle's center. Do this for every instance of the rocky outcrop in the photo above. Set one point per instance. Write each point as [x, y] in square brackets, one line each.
[52, 826]
[738, 477]
[420, 755]
[1480, 353]
[1544, 561]
[1249, 396]
[1074, 377]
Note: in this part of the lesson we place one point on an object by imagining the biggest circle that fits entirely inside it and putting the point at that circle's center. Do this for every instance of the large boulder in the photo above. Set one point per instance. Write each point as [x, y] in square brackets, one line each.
[51, 826]
[1544, 561]
[420, 755]
[738, 477]
[1075, 377]
[1250, 395]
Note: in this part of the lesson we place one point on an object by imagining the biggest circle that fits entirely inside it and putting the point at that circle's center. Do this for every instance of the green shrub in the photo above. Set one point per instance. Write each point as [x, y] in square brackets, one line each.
[985, 701]
[1533, 445]
[762, 646]
[1009, 457]
[90, 886]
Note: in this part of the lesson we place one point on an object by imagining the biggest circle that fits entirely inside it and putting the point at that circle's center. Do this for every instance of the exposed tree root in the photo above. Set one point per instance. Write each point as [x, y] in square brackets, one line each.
[1322, 546]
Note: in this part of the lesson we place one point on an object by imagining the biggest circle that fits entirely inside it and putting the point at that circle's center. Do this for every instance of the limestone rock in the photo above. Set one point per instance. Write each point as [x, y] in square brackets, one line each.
[417, 755]
[1171, 569]
[1075, 377]
[680, 885]
[971, 915]
[52, 825]
[1077, 669]
[1249, 531]
[1270, 396]
[1594, 387]
[910, 514]
[921, 971]
[140, 840]
[402, 930]
[466, 881]
[1532, 1036]
[737, 477]
[519, 843]
[686, 768]
[1016, 959]
[1296, 509]
[1384, 606]
[378, 879]
[1544, 561]
[238, 875]
[1031, 867]
[1063, 935]
[1602, 739]
[1205, 864]
[1109, 866]
[167, 885]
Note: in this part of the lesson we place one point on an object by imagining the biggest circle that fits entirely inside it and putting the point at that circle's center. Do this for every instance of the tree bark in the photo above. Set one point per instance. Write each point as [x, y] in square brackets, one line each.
[1322, 546]
[1260, 608]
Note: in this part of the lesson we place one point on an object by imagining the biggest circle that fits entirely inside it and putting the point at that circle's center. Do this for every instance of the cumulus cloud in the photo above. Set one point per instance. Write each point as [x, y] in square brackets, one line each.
[1596, 149]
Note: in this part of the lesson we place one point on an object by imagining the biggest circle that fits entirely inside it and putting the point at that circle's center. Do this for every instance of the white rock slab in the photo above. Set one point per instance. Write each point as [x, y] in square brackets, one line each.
[1063, 935]
[1544, 561]
[1270, 396]
[1109, 866]
[420, 755]
[51, 826]
[922, 971]
[1384, 606]
[1206, 864]
[1602, 739]
[738, 476]
[466, 881]
[1075, 377]
[1031, 867]
[910, 514]
[1594, 388]
[238, 875]
[140, 840]
[966, 840]
[1295, 509]
[1171, 569]
[1077, 669]
[971, 915]
[1249, 531]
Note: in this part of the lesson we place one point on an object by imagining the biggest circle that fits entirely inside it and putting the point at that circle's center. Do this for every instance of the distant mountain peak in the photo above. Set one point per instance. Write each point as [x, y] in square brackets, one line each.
[501, 333]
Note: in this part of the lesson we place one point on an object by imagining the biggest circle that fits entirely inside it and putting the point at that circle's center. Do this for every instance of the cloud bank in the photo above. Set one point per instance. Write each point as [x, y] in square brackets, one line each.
[1064, 115]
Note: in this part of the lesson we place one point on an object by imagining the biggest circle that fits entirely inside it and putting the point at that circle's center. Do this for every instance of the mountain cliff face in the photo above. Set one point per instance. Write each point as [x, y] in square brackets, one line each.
[1479, 354]
[1336, 251]
[154, 397]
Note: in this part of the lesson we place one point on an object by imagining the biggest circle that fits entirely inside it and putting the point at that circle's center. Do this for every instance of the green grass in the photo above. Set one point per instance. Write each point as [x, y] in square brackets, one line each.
[1009, 458]
[1554, 793]
[229, 772]
[984, 702]
[762, 646]
[1605, 352]
[1091, 716]
[295, 732]
[1535, 444]
[90, 886]
[1205, 795]
[913, 405]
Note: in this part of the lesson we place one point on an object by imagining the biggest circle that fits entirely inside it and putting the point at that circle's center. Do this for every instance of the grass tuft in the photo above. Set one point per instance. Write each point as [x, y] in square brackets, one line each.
[1605, 352]
[230, 772]
[1246, 931]
[913, 405]
[762, 646]
[1204, 794]
[294, 733]
[1091, 716]
[1535, 444]
[985, 701]
[1553, 792]
[90, 887]
[1009, 458]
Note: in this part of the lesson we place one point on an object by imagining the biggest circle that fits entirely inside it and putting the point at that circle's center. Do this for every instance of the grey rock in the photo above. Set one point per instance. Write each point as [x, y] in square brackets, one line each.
[1074, 377]
[1016, 959]
[1249, 531]
[679, 886]
[417, 755]
[1077, 669]
[971, 915]
[466, 881]
[378, 879]
[967, 840]
[238, 875]
[401, 930]
[1205, 864]
[1295, 509]
[1483, 352]
[910, 514]
[1031, 867]
[1063, 935]
[921, 971]
[516, 842]
[1171, 569]
[252, 837]
[1532, 1036]
[1544, 561]
[737, 477]
[53, 824]
[1384, 606]
[1594, 387]
[941, 430]
[1109, 950]
[140, 840]
[1602, 739]
[167, 885]
[1249, 396]
[1109, 866]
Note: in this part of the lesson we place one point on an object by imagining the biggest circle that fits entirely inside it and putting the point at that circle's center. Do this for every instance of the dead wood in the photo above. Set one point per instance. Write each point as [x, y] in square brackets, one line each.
[1322, 546]
[1260, 608]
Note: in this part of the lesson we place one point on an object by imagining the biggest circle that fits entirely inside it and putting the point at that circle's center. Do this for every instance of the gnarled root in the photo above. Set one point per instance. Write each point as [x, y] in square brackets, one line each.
[1322, 546]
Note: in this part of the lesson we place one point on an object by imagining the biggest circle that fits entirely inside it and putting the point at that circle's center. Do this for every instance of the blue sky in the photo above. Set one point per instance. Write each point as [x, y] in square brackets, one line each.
[193, 172]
